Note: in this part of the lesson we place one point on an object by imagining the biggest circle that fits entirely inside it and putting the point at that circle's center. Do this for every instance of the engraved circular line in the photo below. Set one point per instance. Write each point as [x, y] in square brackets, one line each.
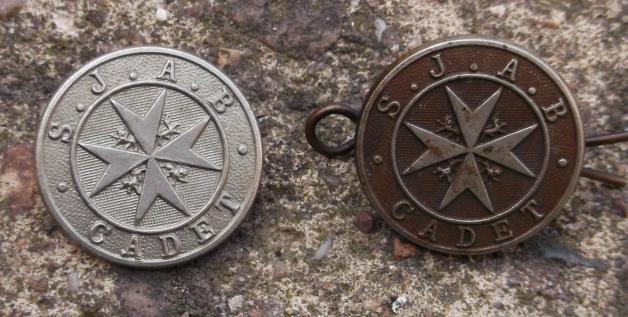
[468, 41]
[160, 229]
[432, 86]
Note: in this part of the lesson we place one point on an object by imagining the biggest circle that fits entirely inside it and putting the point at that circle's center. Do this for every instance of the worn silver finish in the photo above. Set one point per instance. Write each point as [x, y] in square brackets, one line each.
[149, 157]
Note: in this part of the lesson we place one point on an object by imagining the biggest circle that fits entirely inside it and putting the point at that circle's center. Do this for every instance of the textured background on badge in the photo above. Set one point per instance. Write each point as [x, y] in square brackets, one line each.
[301, 250]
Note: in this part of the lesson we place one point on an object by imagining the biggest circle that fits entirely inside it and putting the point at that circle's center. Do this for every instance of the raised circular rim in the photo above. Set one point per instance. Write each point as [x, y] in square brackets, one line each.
[463, 40]
[116, 222]
[222, 235]
[527, 195]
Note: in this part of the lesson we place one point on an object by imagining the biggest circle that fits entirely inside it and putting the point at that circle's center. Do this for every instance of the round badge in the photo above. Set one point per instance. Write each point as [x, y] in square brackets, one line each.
[149, 156]
[467, 145]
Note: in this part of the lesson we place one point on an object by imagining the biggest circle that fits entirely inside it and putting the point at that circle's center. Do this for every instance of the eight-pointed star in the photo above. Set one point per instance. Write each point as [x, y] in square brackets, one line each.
[471, 124]
[145, 130]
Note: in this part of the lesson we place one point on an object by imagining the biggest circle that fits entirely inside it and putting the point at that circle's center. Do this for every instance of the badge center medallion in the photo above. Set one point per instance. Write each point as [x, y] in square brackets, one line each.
[464, 143]
[154, 152]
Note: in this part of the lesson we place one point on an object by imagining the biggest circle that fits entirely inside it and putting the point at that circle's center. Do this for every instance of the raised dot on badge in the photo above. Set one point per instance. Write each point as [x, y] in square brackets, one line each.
[473, 67]
[562, 162]
[242, 149]
[532, 91]
[133, 76]
[62, 187]
[377, 159]
[80, 107]
[194, 87]
[414, 87]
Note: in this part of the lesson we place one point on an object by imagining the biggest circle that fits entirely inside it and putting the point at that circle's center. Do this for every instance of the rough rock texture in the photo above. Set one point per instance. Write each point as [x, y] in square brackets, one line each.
[289, 57]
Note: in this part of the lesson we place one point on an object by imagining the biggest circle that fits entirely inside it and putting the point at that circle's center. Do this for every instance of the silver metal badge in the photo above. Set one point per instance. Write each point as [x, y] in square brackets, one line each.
[149, 156]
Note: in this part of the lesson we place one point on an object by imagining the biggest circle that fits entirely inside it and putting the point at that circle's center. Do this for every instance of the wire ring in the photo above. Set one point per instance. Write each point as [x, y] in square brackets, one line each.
[319, 114]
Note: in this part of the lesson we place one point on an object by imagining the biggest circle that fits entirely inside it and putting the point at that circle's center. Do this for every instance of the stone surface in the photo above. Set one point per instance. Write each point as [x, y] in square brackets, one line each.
[403, 249]
[297, 55]
[365, 222]
[10, 6]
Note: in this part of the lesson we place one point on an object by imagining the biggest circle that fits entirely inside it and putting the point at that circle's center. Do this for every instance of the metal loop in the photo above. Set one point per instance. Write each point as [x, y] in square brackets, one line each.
[319, 114]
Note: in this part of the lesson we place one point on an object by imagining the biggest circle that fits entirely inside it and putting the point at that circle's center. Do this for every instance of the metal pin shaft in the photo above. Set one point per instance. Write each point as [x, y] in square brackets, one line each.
[611, 179]
[607, 139]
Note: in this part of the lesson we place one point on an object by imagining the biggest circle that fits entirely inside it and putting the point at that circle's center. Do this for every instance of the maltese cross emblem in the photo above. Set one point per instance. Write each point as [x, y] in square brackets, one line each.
[471, 123]
[145, 130]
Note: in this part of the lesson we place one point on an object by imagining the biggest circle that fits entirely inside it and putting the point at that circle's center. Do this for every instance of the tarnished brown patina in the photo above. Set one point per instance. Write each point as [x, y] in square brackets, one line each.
[468, 145]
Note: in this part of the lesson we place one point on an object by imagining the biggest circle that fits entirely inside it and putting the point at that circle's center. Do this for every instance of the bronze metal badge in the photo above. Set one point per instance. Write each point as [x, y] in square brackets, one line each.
[467, 145]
